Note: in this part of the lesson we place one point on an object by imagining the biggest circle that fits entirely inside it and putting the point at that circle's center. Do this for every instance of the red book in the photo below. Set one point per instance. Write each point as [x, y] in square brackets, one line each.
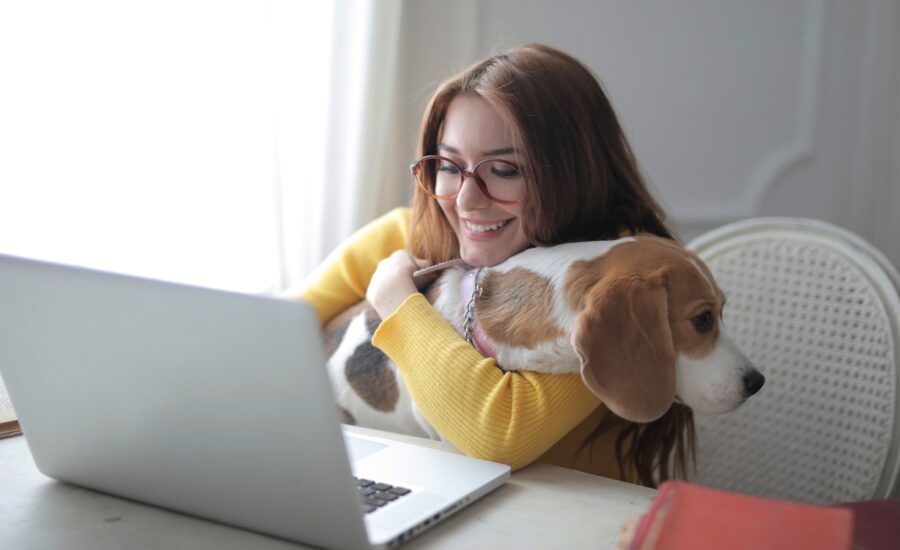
[693, 517]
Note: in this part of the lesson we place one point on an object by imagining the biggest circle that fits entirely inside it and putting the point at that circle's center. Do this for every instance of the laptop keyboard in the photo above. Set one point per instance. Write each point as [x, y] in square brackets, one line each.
[378, 495]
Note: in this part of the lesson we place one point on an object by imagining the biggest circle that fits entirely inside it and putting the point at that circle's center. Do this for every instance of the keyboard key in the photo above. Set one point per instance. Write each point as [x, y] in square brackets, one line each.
[377, 495]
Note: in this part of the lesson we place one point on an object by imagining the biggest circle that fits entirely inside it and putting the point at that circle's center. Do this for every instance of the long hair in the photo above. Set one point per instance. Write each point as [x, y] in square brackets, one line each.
[583, 184]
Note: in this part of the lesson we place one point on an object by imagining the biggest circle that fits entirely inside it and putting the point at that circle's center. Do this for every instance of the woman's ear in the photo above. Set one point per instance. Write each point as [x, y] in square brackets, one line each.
[625, 344]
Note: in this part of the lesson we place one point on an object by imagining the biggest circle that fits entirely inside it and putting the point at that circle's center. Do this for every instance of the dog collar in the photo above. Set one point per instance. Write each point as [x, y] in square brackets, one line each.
[417, 276]
[470, 289]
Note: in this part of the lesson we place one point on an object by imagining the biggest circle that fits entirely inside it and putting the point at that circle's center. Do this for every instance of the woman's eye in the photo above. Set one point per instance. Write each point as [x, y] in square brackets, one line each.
[703, 323]
[448, 169]
[505, 171]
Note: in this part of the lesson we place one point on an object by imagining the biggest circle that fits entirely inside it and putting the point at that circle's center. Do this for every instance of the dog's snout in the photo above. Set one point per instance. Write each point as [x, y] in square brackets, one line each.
[753, 382]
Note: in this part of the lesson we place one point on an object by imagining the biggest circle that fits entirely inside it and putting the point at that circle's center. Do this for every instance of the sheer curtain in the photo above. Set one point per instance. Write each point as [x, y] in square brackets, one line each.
[146, 137]
[364, 145]
[229, 144]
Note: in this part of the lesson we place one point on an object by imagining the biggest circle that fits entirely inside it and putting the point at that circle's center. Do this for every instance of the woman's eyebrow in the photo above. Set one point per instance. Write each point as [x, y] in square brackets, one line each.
[500, 151]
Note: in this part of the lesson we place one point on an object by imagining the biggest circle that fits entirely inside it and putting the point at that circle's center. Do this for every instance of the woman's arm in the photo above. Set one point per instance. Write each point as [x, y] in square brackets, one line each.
[509, 417]
[342, 279]
[506, 417]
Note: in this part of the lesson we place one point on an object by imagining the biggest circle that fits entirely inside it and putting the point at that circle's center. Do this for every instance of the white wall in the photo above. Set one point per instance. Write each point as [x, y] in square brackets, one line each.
[735, 109]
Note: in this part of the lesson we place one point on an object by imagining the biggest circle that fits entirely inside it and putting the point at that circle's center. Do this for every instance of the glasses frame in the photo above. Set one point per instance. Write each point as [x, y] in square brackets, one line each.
[463, 174]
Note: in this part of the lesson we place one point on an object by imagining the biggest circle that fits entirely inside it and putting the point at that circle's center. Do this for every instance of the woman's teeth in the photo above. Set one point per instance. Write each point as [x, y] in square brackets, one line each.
[485, 228]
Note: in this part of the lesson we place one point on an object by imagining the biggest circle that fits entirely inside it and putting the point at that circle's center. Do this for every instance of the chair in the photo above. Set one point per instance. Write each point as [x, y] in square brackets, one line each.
[816, 309]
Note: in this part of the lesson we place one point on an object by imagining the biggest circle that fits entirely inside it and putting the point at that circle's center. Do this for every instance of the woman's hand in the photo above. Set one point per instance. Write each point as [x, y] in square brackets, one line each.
[393, 282]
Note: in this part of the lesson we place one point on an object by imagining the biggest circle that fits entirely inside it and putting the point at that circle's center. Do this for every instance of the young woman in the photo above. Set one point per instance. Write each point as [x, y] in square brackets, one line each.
[522, 149]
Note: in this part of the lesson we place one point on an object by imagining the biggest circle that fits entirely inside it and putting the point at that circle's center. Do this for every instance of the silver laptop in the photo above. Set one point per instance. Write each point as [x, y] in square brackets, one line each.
[211, 403]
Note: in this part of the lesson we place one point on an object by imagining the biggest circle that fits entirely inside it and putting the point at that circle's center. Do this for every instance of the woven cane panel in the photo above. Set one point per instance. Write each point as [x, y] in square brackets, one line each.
[809, 319]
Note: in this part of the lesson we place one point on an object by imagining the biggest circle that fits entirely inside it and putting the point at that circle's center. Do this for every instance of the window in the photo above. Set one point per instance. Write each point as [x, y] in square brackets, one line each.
[149, 137]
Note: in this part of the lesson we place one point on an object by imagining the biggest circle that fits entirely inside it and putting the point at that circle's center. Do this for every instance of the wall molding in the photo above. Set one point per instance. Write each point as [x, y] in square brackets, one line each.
[872, 152]
[775, 164]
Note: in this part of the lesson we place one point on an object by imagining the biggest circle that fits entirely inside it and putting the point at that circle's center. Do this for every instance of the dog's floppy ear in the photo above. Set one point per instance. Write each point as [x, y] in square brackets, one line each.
[624, 341]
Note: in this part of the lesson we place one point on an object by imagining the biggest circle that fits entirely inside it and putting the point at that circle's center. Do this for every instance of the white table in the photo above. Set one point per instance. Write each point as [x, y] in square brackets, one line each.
[540, 507]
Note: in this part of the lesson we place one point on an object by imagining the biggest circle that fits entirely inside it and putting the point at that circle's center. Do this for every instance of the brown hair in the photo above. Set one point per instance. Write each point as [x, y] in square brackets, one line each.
[583, 184]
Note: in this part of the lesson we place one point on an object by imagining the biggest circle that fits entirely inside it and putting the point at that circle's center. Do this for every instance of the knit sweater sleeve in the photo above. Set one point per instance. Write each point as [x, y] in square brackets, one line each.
[508, 417]
[342, 279]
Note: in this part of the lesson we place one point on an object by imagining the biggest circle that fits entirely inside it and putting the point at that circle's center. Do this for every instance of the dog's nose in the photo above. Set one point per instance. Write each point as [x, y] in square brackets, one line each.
[753, 382]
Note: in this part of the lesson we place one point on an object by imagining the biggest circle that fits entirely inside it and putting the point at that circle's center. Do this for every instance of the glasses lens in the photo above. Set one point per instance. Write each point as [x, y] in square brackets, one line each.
[503, 180]
[438, 176]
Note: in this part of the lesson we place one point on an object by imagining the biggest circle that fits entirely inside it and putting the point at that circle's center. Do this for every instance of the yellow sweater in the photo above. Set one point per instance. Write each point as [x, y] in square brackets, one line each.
[511, 417]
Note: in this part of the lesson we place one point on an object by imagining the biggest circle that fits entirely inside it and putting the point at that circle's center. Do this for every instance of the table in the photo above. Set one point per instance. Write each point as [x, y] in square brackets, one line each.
[542, 506]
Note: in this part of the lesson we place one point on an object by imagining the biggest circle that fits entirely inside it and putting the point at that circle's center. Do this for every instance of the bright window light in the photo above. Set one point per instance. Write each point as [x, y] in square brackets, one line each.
[141, 137]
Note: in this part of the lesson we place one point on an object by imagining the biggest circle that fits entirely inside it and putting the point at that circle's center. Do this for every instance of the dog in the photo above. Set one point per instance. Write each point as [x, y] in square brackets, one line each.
[639, 317]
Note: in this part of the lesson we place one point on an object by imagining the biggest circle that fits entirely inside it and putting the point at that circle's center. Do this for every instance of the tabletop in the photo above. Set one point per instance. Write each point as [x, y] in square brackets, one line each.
[542, 506]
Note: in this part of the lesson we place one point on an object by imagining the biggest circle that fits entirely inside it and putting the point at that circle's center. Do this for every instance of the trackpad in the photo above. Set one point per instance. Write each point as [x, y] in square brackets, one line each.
[359, 449]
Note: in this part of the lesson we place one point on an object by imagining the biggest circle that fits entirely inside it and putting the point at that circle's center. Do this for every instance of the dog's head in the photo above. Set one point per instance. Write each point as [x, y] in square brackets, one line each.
[649, 331]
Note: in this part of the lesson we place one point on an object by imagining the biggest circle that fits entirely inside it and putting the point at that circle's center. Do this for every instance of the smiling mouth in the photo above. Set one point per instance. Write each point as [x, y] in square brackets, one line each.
[477, 228]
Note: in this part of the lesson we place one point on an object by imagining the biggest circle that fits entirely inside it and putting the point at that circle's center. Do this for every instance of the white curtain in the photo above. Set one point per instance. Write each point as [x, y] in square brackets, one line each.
[142, 137]
[229, 144]
[363, 141]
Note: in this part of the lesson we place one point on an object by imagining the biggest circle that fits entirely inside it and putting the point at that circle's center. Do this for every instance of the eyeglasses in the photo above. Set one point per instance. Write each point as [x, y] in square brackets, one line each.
[500, 180]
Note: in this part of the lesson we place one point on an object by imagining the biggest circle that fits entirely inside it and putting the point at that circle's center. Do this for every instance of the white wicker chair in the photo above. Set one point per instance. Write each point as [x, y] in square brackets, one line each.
[816, 309]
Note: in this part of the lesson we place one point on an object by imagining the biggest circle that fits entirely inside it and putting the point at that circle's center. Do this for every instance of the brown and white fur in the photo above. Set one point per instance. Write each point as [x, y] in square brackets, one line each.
[639, 317]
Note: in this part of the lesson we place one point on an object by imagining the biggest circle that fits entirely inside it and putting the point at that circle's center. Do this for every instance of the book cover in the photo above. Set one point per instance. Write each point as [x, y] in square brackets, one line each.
[687, 516]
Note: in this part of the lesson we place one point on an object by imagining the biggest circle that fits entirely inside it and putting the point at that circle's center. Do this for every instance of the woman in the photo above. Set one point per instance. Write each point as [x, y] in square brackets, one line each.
[552, 166]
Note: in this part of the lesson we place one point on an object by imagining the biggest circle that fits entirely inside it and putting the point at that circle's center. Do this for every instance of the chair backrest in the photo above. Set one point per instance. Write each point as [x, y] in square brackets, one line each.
[816, 309]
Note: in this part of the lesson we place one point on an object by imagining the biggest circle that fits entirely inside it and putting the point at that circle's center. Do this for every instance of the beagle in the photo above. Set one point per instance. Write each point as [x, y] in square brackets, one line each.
[640, 317]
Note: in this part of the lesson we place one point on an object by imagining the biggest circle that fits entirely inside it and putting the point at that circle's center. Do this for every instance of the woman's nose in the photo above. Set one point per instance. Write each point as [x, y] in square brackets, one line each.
[470, 196]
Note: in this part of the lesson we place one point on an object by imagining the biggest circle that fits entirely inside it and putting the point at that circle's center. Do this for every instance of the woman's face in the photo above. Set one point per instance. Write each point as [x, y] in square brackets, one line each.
[488, 232]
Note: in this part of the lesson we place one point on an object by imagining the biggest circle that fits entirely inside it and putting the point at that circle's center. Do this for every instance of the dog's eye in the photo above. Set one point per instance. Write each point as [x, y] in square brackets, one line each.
[703, 322]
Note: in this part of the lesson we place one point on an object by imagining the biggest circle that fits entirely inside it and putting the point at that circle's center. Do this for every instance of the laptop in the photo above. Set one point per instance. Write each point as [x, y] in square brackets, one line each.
[210, 403]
